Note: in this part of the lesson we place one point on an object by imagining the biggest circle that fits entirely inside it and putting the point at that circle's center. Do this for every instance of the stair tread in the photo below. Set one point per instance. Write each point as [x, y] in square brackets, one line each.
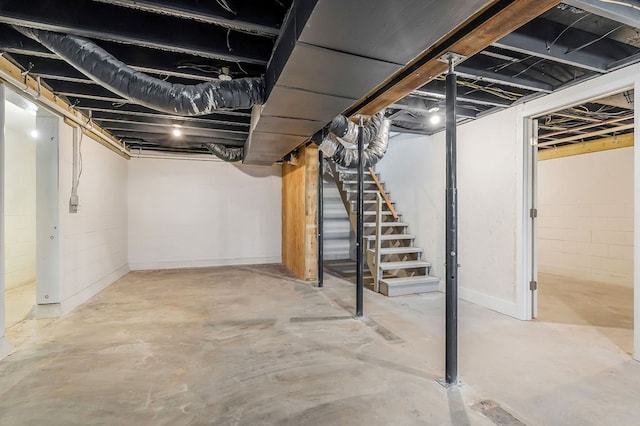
[366, 191]
[384, 224]
[398, 250]
[385, 266]
[353, 182]
[387, 237]
[384, 213]
[369, 201]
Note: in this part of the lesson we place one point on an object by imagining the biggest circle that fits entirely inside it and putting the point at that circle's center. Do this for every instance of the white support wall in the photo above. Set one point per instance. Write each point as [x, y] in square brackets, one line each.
[187, 213]
[585, 211]
[94, 240]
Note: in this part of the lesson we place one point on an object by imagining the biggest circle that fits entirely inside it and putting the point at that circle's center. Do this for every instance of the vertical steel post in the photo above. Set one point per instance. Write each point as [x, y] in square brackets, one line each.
[320, 218]
[360, 226]
[451, 355]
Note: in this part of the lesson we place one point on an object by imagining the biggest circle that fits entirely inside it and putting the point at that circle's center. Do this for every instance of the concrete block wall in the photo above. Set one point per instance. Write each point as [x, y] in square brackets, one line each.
[585, 227]
[93, 241]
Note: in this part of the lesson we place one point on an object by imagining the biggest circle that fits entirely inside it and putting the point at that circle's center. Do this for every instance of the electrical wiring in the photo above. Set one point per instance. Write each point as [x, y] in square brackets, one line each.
[621, 3]
[575, 49]
[495, 91]
[225, 6]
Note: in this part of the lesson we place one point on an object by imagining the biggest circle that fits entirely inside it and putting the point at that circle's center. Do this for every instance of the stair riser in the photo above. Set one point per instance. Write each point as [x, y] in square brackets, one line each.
[403, 290]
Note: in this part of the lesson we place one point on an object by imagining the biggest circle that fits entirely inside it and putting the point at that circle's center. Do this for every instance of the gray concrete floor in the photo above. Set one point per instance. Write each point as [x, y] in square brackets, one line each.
[253, 346]
[602, 307]
[18, 301]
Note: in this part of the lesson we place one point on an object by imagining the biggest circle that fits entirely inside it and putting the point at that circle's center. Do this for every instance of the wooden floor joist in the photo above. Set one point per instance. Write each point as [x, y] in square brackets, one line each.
[495, 21]
[604, 144]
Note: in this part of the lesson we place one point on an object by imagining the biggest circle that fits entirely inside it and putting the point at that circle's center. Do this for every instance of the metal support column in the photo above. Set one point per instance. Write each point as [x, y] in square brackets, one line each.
[320, 218]
[451, 353]
[360, 226]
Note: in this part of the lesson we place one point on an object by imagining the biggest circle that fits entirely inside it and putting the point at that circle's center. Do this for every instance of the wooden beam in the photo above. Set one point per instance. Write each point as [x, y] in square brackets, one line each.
[498, 19]
[604, 144]
[13, 74]
[299, 213]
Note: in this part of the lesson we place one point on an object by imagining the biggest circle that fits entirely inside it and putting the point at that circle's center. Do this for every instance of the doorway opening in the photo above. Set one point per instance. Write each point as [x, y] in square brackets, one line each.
[584, 218]
[30, 192]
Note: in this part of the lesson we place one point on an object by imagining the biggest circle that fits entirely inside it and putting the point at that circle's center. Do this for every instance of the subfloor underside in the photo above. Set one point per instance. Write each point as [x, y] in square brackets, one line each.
[254, 346]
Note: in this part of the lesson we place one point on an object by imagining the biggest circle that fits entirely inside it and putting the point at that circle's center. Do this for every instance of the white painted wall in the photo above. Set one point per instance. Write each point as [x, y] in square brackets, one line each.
[185, 213]
[414, 172]
[20, 197]
[585, 210]
[488, 167]
[94, 240]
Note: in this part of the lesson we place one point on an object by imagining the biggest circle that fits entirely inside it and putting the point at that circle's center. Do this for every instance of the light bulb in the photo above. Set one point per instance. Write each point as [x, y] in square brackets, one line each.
[434, 119]
[34, 134]
[176, 132]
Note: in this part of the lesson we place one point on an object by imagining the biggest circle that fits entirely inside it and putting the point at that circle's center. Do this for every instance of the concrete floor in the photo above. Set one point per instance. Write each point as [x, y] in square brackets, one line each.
[18, 302]
[254, 346]
[605, 308]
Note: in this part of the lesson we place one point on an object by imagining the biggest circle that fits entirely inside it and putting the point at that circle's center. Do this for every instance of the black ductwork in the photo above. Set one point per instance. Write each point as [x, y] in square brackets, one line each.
[115, 75]
[224, 153]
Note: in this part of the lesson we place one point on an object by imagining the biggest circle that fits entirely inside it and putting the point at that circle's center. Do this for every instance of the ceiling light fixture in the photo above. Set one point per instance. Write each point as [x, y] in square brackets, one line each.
[34, 134]
[435, 119]
[176, 132]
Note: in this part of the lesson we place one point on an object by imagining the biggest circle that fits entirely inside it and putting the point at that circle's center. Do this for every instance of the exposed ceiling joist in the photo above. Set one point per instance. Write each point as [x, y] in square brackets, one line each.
[243, 19]
[164, 130]
[133, 109]
[579, 129]
[224, 123]
[556, 42]
[109, 23]
[518, 82]
[611, 130]
[626, 12]
[419, 105]
[430, 94]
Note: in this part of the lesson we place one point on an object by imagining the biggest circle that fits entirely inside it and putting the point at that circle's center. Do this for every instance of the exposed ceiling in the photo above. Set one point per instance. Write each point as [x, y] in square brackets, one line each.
[575, 41]
[190, 41]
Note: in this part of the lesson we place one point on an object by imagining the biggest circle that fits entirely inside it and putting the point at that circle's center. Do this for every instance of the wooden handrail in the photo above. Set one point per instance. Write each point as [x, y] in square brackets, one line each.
[384, 194]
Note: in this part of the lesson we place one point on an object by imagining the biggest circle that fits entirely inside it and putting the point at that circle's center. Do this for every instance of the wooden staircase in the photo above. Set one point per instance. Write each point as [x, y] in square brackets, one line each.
[395, 263]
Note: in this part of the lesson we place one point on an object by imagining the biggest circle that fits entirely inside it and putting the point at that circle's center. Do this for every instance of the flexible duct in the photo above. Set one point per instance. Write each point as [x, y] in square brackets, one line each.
[118, 77]
[224, 153]
[375, 133]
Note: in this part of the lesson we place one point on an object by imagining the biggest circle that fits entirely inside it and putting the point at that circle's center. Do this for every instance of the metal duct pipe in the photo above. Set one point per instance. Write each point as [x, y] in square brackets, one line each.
[375, 133]
[224, 153]
[115, 75]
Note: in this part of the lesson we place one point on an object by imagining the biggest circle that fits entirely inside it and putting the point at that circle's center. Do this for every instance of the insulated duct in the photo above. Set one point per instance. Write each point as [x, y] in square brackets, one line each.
[115, 75]
[375, 133]
[224, 153]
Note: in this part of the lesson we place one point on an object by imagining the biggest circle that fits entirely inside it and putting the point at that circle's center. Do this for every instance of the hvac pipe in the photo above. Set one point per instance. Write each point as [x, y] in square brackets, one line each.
[320, 219]
[360, 225]
[451, 256]
[113, 74]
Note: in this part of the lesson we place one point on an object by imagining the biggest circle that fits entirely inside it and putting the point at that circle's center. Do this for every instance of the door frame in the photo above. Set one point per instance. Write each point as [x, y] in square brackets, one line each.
[615, 82]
